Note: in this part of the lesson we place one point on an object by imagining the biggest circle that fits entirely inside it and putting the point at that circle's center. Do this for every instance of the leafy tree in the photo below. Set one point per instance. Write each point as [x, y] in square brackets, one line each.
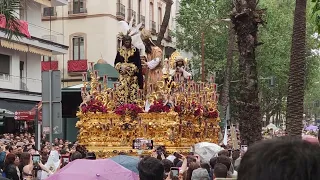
[8, 10]
[197, 17]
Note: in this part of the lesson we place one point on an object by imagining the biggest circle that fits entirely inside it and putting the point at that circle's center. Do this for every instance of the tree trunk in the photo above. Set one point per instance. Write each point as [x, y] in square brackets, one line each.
[228, 73]
[165, 22]
[246, 19]
[297, 71]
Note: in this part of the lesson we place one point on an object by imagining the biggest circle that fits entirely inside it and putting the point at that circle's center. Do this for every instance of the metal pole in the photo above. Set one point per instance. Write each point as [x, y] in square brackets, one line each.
[50, 105]
[36, 121]
[202, 58]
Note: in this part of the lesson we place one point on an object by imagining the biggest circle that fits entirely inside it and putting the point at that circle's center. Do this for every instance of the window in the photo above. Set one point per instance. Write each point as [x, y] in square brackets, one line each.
[79, 6]
[48, 11]
[151, 12]
[78, 48]
[159, 17]
[4, 67]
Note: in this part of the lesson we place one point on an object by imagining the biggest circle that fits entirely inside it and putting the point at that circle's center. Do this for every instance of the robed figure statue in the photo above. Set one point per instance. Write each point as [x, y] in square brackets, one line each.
[128, 64]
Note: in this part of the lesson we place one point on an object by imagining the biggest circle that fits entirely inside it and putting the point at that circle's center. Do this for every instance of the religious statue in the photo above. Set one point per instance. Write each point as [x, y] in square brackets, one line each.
[128, 64]
[176, 67]
[151, 59]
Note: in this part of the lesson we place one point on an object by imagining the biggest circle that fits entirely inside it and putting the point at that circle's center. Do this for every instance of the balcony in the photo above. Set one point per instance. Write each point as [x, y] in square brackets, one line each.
[132, 14]
[142, 20]
[76, 67]
[49, 13]
[49, 65]
[153, 27]
[78, 12]
[121, 11]
[20, 83]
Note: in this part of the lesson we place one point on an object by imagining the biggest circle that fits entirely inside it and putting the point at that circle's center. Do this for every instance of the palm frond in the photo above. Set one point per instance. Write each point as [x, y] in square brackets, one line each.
[9, 9]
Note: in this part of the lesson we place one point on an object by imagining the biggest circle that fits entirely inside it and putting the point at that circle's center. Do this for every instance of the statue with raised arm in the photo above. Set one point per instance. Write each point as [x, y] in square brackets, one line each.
[151, 60]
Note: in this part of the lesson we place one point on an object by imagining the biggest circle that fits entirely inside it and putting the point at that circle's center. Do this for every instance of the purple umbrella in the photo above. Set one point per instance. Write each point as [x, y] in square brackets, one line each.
[312, 128]
[101, 169]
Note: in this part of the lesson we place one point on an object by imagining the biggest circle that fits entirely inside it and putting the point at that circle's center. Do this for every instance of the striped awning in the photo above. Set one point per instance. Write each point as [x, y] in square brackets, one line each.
[44, 2]
[14, 46]
[24, 48]
[41, 52]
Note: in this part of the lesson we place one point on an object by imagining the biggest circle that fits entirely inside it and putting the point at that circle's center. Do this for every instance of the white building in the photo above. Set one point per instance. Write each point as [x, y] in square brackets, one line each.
[90, 29]
[20, 59]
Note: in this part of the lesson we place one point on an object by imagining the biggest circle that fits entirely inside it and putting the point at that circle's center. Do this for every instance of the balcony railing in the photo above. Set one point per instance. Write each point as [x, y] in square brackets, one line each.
[153, 27]
[132, 14]
[49, 11]
[44, 32]
[121, 11]
[49, 65]
[78, 11]
[142, 20]
[77, 66]
[20, 83]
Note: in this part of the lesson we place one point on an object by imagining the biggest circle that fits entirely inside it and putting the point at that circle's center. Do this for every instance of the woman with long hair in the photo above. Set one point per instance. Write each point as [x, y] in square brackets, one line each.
[10, 168]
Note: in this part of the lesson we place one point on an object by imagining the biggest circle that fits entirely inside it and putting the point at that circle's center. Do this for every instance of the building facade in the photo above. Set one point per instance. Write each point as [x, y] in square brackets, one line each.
[20, 59]
[90, 30]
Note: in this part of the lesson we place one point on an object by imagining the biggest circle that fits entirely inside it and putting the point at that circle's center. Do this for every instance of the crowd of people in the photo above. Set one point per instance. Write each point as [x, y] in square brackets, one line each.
[17, 151]
[283, 158]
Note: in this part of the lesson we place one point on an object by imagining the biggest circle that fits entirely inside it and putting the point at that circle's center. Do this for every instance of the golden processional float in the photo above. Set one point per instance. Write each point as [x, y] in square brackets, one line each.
[181, 114]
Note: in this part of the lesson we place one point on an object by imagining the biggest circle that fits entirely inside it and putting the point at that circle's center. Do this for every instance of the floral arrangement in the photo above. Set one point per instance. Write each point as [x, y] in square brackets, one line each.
[94, 106]
[210, 113]
[191, 109]
[128, 109]
[158, 107]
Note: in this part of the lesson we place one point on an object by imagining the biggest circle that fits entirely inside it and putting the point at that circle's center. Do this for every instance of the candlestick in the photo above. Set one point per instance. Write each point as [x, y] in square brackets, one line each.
[105, 79]
[84, 77]
[95, 74]
[91, 66]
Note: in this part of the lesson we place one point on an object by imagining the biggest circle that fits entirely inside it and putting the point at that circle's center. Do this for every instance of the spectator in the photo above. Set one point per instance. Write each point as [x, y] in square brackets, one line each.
[75, 155]
[281, 159]
[151, 168]
[224, 153]
[10, 168]
[192, 167]
[167, 164]
[220, 171]
[200, 174]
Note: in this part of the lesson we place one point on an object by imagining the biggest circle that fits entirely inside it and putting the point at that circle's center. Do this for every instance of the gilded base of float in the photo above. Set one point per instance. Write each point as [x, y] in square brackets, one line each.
[108, 134]
[106, 152]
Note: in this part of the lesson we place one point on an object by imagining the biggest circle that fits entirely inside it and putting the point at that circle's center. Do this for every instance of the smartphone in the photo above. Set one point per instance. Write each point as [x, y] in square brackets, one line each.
[174, 171]
[35, 158]
[244, 148]
[142, 144]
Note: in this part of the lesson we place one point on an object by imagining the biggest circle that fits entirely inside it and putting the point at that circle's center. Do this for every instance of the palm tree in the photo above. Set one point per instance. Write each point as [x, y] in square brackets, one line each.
[165, 22]
[8, 11]
[297, 71]
[246, 18]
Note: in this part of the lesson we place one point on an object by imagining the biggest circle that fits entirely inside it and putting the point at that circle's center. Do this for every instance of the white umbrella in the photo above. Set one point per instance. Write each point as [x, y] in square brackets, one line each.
[272, 126]
[207, 150]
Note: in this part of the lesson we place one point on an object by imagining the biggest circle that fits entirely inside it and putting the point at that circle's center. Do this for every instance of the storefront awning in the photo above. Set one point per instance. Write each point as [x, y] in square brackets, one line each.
[44, 2]
[24, 48]
[9, 107]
